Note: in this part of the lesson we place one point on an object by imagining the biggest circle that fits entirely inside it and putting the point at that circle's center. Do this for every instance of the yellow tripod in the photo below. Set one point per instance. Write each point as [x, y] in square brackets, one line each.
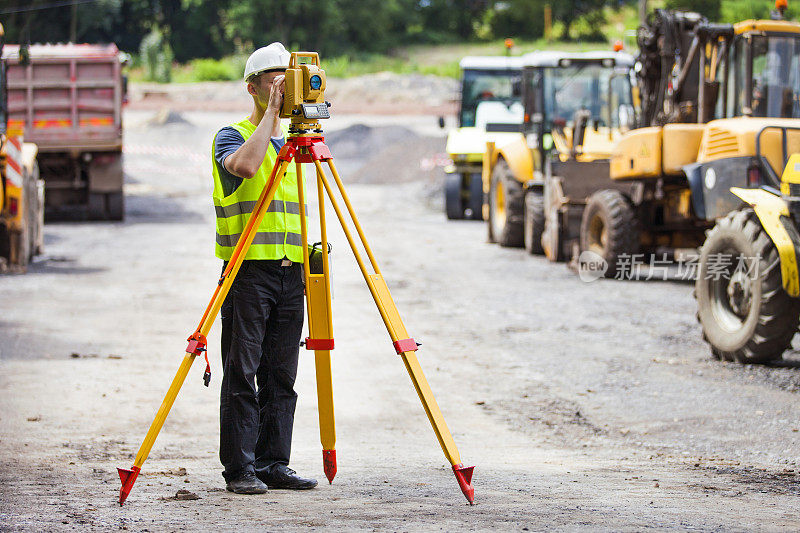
[306, 145]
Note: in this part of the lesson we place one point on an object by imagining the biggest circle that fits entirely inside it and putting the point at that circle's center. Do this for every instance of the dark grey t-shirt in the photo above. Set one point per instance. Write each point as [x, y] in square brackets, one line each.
[227, 141]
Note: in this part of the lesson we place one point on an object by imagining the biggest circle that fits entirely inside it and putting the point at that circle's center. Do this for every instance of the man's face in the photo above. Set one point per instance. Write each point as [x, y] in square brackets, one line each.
[260, 86]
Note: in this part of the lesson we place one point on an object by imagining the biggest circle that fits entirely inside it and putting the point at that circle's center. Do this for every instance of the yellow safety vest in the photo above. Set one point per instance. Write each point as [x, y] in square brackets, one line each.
[278, 235]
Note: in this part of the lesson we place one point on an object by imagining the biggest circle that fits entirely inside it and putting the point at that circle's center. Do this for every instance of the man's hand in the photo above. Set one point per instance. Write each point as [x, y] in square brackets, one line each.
[246, 161]
[276, 95]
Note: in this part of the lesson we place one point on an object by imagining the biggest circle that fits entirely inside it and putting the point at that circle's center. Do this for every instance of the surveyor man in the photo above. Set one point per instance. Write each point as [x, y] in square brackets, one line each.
[262, 317]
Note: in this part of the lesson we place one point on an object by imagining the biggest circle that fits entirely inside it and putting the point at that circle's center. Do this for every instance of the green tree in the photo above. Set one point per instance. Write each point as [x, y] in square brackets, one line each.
[733, 11]
[517, 18]
[452, 19]
[568, 11]
[157, 56]
[196, 28]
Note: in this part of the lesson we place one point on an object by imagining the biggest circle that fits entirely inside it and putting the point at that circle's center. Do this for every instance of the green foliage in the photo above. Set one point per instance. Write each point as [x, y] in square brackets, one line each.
[590, 27]
[733, 11]
[569, 11]
[517, 18]
[352, 35]
[345, 66]
[709, 8]
[156, 55]
[212, 70]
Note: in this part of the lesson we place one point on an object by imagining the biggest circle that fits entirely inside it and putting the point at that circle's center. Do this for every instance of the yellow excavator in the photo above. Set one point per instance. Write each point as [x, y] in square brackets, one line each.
[719, 109]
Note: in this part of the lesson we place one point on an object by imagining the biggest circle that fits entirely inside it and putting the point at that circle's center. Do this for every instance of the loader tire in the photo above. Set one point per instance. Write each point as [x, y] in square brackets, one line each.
[534, 221]
[5, 246]
[453, 204]
[21, 252]
[22, 241]
[553, 234]
[609, 228]
[746, 316]
[37, 237]
[506, 206]
[475, 201]
[106, 206]
[96, 206]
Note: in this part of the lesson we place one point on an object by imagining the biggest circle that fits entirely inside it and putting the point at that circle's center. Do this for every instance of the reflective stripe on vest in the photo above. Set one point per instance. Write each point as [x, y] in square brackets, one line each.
[262, 237]
[245, 208]
[278, 235]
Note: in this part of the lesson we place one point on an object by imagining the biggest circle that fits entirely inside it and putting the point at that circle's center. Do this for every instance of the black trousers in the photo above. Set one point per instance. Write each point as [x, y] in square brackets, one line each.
[262, 320]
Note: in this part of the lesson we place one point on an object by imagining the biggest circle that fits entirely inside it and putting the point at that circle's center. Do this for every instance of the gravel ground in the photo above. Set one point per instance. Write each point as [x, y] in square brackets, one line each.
[585, 406]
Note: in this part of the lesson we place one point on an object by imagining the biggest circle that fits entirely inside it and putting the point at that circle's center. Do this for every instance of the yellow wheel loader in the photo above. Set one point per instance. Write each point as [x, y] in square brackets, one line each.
[490, 106]
[575, 106]
[21, 190]
[747, 287]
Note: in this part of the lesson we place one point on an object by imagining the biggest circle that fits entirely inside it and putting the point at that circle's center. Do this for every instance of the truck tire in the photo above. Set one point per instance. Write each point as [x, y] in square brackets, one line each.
[115, 204]
[609, 228]
[96, 206]
[453, 204]
[21, 252]
[534, 221]
[475, 202]
[506, 206]
[746, 317]
[106, 206]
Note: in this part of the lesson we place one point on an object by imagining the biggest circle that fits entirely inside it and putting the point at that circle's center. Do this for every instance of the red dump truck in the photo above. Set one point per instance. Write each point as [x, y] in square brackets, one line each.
[67, 98]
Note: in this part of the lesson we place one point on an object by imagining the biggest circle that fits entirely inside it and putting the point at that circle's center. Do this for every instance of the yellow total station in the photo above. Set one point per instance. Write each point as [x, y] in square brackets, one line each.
[304, 94]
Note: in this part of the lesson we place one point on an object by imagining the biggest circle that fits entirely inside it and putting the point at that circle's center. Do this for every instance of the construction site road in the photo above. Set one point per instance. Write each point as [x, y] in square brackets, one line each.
[585, 406]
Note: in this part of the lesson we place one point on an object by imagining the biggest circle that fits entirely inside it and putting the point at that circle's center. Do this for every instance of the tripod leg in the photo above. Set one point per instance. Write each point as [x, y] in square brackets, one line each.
[198, 342]
[320, 329]
[404, 345]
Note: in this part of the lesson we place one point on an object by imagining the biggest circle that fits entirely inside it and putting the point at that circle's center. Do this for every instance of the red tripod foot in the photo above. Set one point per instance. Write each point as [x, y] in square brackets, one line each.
[464, 478]
[128, 477]
[329, 464]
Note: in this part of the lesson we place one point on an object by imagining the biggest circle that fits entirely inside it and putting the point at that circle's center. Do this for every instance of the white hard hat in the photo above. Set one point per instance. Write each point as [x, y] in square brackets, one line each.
[271, 57]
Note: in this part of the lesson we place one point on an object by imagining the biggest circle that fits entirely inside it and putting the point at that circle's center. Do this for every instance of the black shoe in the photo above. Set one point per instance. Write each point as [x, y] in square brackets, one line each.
[283, 477]
[246, 483]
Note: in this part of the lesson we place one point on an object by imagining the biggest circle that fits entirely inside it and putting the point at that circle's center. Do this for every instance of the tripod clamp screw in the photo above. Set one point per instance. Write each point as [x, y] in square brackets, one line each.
[406, 345]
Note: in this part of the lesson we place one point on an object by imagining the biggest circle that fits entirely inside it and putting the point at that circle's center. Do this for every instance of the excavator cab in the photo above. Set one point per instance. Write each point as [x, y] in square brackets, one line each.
[577, 104]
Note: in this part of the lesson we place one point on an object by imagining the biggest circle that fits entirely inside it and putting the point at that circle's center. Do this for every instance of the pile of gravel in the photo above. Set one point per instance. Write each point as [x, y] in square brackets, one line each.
[385, 154]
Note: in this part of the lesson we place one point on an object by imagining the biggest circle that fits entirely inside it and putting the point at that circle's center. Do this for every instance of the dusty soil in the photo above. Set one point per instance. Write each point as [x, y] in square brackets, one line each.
[591, 406]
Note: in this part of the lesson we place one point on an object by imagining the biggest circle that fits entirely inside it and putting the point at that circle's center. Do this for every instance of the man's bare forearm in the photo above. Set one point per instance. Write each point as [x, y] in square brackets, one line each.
[247, 159]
